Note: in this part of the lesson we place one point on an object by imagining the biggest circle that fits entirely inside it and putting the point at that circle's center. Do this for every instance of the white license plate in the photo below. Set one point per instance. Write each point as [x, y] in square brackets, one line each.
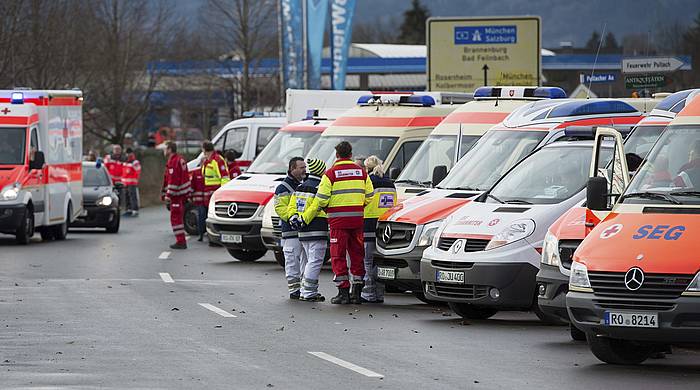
[386, 273]
[631, 320]
[449, 276]
[232, 238]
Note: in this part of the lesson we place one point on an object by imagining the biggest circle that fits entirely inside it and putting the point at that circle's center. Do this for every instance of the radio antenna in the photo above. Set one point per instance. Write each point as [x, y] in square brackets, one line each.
[595, 62]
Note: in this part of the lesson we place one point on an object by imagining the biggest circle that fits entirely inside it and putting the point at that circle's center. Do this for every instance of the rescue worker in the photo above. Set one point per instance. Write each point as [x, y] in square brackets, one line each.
[214, 169]
[176, 190]
[234, 170]
[344, 191]
[313, 235]
[115, 166]
[383, 199]
[198, 202]
[130, 177]
[294, 259]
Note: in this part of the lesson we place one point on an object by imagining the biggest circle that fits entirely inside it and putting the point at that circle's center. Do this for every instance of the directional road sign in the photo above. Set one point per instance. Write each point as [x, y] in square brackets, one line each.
[651, 64]
[597, 78]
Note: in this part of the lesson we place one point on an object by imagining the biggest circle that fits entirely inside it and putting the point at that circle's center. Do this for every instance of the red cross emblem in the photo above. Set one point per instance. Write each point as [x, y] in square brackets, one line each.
[5, 110]
[611, 231]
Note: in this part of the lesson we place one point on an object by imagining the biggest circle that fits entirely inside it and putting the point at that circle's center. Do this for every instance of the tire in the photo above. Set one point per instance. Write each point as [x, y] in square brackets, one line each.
[546, 318]
[576, 333]
[246, 256]
[25, 230]
[60, 231]
[191, 217]
[46, 233]
[471, 312]
[113, 227]
[279, 257]
[616, 351]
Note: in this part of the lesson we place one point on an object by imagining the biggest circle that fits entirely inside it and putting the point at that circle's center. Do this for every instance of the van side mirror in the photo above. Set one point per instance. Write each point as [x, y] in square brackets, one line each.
[38, 161]
[439, 173]
[597, 193]
[394, 173]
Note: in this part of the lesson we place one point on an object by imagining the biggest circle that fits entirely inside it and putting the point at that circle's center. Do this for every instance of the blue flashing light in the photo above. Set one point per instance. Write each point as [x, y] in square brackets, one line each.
[365, 99]
[311, 114]
[483, 92]
[549, 93]
[587, 107]
[671, 100]
[423, 100]
[17, 98]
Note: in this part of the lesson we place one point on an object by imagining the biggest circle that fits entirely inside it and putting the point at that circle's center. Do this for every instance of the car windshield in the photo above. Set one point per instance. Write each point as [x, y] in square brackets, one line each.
[362, 147]
[549, 176]
[639, 143]
[436, 150]
[672, 169]
[274, 159]
[95, 177]
[491, 156]
[12, 146]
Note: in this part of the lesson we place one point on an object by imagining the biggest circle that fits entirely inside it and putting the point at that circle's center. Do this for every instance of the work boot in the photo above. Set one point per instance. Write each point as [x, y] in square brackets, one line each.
[178, 245]
[135, 213]
[313, 298]
[201, 237]
[355, 294]
[295, 295]
[343, 297]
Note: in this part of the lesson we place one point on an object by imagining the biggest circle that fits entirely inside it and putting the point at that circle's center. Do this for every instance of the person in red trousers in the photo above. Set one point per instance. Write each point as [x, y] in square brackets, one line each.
[176, 190]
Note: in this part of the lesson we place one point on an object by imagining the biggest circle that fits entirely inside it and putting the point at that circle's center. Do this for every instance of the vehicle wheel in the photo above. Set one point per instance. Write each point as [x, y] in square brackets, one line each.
[25, 230]
[246, 256]
[466, 310]
[46, 233]
[279, 256]
[113, 227]
[576, 333]
[191, 218]
[546, 318]
[615, 351]
[61, 231]
[421, 297]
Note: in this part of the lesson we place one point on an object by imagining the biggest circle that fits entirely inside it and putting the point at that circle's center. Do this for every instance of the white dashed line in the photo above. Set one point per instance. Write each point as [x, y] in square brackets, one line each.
[348, 365]
[166, 277]
[164, 255]
[216, 310]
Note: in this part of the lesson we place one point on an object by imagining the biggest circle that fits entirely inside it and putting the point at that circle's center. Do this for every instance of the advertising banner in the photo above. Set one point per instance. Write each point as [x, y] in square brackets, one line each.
[316, 18]
[342, 12]
[292, 52]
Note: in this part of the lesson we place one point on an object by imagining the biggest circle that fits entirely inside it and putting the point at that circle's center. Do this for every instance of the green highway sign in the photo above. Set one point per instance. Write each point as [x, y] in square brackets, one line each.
[645, 81]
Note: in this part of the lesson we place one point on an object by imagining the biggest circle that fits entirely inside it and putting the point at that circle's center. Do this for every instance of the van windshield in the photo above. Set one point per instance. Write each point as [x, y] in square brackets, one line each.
[671, 173]
[491, 156]
[12, 146]
[274, 159]
[436, 150]
[362, 147]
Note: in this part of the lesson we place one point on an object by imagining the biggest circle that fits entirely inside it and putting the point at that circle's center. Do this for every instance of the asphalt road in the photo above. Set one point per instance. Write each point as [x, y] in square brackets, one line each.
[100, 310]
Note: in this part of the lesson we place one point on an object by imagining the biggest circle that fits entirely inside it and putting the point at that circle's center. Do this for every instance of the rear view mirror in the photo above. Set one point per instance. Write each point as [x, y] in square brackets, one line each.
[597, 193]
[38, 161]
[394, 173]
[439, 173]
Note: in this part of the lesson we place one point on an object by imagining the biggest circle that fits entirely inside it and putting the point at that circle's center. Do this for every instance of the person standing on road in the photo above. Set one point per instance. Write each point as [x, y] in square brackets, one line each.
[383, 199]
[131, 176]
[176, 189]
[198, 202]
[343, 192]
[214, 169]
[115, 166]
[313, 234]
[294, 259]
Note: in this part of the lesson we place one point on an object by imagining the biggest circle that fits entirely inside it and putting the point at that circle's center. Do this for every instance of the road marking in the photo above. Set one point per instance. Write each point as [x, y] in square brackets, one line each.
[348, 365]
[216, 310]
[164, 255]
[166, 277]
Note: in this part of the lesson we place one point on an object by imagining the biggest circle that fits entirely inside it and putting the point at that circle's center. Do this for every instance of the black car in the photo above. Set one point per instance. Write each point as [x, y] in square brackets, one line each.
[100, 200]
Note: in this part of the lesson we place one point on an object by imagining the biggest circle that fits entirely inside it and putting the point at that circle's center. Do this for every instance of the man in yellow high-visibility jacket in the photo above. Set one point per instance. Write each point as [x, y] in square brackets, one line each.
[214, 170]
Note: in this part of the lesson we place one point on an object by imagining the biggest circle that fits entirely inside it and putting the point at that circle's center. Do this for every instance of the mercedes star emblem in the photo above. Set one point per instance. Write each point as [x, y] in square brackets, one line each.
[386, 235]
[232, 209]
[634, 279]
[457, 246]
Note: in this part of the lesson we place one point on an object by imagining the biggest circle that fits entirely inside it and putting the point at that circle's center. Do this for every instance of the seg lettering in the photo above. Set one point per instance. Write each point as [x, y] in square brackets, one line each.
[651, 232]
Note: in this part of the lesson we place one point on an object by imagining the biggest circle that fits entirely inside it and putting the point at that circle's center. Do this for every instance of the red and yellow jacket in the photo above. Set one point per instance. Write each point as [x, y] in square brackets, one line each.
[131, 173]
[176, 180]
[215, 172]
[115, 167]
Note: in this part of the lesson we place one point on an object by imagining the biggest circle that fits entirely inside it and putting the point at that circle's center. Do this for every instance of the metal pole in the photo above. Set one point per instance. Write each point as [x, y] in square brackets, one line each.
[280, 65]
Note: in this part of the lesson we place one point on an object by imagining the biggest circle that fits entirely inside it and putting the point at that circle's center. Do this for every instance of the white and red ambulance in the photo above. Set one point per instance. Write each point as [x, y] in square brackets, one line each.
[41, 138]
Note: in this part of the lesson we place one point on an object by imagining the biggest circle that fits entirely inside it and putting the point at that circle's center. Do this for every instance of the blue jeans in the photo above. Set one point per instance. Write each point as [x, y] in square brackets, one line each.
[202, 219]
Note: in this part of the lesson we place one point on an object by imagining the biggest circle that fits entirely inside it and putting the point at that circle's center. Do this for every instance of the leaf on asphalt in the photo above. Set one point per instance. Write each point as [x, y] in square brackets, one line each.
[270, 385]
[280, 329]
[370, 315]
[446, 314]
[414, 331]
[109, 286]
[395, 315]
[174, 309]
[217, 326]
[242, 312]
[124, 284]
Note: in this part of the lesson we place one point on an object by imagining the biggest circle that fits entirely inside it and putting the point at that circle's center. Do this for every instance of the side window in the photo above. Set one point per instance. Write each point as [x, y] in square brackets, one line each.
[236, 139]
[265, 135]
[34, 141]
[406, 151]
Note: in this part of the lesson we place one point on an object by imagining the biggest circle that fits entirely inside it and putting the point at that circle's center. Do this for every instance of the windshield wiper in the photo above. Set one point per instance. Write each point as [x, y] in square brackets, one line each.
[685, 193]
[461, 188]
[652, 195]
[495, 198]
[414, 182]
[517, 201]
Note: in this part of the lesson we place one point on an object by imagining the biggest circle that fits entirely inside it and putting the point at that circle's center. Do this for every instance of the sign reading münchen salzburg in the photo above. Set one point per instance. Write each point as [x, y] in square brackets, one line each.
[466, 53]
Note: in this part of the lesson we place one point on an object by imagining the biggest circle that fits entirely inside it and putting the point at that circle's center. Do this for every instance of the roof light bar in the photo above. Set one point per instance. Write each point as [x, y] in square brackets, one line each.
[423, 100]
[587, 107]
[520, 92]
[17, 98]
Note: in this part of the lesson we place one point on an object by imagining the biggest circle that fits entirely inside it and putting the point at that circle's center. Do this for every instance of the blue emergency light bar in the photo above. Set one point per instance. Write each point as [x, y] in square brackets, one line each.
[587, 107]
[671, 100]
[366, 99]
[423, 100]
[521, 92]
[258, 114]
[311, 114]
[17, 98]
[549, 93]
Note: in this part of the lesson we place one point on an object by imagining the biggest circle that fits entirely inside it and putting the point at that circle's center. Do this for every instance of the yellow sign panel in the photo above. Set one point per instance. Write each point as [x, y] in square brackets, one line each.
[467, 53]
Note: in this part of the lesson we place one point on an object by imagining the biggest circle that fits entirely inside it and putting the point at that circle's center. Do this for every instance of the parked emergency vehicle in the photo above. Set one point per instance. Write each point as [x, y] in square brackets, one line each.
[41, 140]
[634, 286]
[468, 123]
[565, 234]
[407, 229]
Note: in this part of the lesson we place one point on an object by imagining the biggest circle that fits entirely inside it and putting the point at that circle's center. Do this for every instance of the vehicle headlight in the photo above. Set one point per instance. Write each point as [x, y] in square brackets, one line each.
[104, 201]
[516, 231]
[10, 192]
[211, 213]
[694, 286]
[578, 280]
[550, 250]
[429, 230]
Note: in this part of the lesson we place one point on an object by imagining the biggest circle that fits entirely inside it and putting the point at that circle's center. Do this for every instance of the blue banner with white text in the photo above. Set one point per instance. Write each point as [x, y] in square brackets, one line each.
[292, 43]
[316, 17]
[341, 37]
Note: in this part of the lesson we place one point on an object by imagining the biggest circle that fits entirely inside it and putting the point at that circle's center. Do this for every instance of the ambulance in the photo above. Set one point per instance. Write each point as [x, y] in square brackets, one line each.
[565, 235]
[405, 231]
[634, 287]
[468, 123]
[41, 184]
[391, 126]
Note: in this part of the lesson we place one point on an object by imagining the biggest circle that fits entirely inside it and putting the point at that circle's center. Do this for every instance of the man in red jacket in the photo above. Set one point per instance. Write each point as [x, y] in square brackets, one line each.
[176, 190]
[130, 177]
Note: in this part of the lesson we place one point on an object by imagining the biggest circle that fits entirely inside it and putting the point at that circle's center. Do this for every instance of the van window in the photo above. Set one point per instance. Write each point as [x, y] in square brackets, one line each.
[34, 141]
[12, 146]
[236, 139]
[406, 151]
[265, 135]
[362, 147]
